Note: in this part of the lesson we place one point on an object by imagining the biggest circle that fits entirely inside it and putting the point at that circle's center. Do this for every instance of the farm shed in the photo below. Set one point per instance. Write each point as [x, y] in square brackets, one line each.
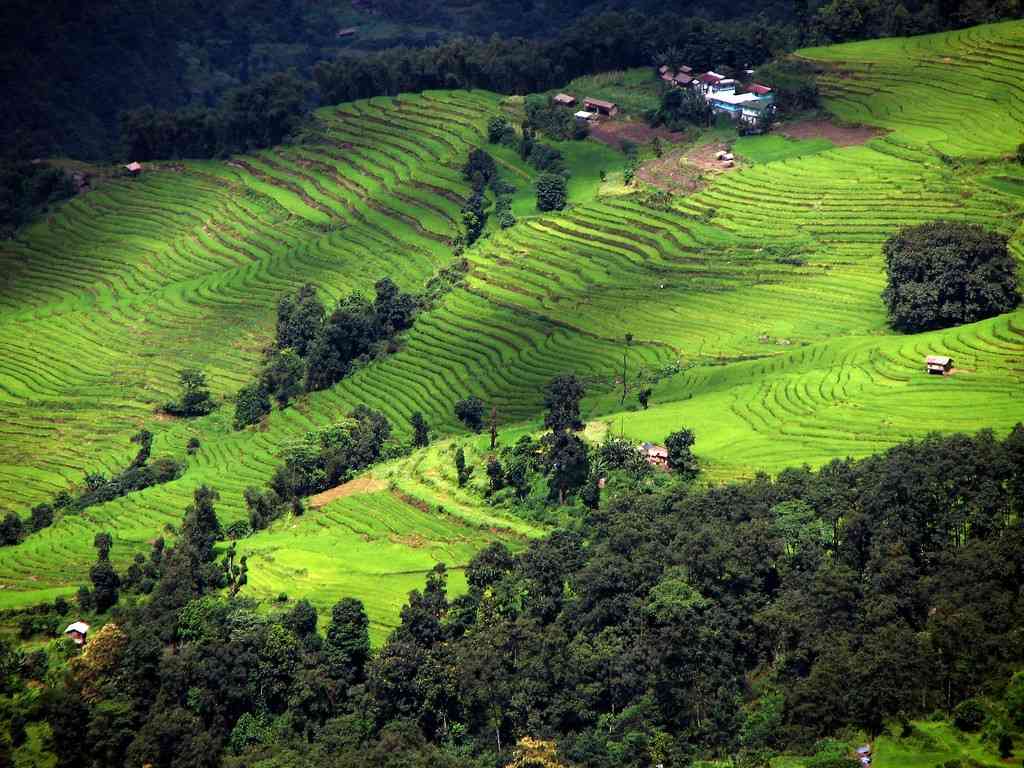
[585, 117]
[663, 69]
[564, 100]
[77, 631]
[601, 107]
[134, 168]
[758, 89]
[938, 364]
[655, 455]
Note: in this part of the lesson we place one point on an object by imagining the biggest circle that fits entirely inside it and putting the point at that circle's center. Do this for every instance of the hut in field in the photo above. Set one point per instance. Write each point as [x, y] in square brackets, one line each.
[585, 117]
[938, 365]
[655, 455]
[134, 168]
[77, 632]
[564, 100]
[601, 107]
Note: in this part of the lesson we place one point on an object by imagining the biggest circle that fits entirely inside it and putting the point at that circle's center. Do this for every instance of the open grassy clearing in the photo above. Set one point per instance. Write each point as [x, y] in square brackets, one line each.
[764, 286]
[374, 545]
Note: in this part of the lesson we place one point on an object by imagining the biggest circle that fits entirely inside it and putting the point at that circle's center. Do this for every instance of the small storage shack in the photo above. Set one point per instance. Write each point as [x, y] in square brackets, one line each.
[938, 365]
[585, 117]
[601, 107]
[134, 168]
[77, 632]
[564, 100]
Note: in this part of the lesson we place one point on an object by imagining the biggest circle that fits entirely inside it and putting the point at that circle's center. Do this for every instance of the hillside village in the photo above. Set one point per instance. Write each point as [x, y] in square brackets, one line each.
[750, 104]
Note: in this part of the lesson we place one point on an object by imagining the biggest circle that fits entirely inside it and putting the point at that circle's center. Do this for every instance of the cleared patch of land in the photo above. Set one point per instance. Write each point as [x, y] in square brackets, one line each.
[838, 135]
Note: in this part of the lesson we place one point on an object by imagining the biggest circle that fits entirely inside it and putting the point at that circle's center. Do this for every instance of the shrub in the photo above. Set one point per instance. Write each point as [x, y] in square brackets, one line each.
[551, 192]
[943, 274]
[969, 716]
[195, 395]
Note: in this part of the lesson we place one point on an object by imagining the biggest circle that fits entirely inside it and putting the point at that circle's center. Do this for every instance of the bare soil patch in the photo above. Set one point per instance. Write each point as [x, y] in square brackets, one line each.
[614, 132]
[365, 484]
[685, 171]
[840, 135]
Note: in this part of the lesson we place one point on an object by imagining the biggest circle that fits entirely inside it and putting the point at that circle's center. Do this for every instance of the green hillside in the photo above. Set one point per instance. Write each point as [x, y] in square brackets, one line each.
[763, 289]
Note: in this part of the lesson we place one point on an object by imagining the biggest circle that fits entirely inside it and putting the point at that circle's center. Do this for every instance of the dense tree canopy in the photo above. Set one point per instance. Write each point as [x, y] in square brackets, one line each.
[945, 273]
[732, 620]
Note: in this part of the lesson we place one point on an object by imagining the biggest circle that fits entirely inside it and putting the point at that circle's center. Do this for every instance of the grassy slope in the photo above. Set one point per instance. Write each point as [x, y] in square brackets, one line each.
[106, 298]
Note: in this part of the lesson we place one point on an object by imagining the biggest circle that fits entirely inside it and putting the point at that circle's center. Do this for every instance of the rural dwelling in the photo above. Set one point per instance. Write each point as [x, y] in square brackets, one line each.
[77, 632]
[939, 365]
[708, 79]
[729, 103]
[601, 107]
[134, 168]
[656, 455]
[585, 117]
[760, 90]
[564, 100]
[755, 116]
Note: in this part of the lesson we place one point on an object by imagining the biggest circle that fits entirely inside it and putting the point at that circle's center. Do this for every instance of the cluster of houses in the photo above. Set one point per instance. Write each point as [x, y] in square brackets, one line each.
[752, 105]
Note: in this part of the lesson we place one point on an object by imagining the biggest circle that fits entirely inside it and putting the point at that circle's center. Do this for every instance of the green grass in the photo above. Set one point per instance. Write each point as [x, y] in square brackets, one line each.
[763, 288]
[934, 743]
[770, 148]
[374, 546]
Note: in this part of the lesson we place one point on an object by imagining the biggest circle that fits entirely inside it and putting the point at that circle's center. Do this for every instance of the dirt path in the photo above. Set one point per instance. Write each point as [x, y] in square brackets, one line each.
[841, 136]
[364, 484]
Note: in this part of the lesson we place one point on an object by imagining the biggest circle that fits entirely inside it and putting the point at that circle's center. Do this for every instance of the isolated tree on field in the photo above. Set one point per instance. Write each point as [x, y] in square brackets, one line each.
[236, 573]
[420, 430]
[562, 399]
[195, 395]
[470, 411]
[393, 310]
[497, 127]
[462, 472]
[551, 192]
[644, 396]
[494, 426]
[945, 273]
[680, 455]
[11, 529]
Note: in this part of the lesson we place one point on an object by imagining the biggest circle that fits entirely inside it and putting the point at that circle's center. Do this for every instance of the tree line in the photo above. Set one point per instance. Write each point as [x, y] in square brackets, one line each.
[662, 625]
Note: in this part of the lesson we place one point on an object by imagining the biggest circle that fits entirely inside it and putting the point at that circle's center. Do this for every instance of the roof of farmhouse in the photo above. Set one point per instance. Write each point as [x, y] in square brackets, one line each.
[733, 98]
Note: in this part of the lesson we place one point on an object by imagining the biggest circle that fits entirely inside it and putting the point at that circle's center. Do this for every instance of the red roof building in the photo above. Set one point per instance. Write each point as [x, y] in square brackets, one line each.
[760, 90]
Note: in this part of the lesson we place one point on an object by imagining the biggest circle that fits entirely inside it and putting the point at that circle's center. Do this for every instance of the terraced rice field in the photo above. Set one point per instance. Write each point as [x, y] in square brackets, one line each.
[764, 287]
